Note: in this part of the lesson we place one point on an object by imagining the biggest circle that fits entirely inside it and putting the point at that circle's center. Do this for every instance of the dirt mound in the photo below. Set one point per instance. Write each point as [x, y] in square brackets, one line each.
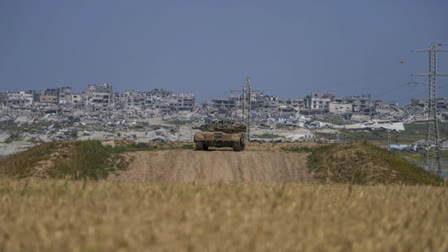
[365, 163]
[215, 166]
[36, 161]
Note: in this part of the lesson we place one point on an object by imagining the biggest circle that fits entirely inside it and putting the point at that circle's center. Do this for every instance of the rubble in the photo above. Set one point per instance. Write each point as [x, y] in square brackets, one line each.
[31, 117]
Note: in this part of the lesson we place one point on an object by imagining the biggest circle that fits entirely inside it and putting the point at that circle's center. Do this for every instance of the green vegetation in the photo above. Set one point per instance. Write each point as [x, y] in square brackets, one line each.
[267, 135]
[335, 119]
[297, 149]
[413, 132]
[74, 160]
[88, 160]
[365, 163]
[74, 133]
[411, 156]
[92, 160]
[27, 127]
[18, 165]
[15, 136]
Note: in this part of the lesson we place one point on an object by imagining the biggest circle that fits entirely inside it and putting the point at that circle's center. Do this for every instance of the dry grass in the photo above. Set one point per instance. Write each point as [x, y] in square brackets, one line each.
[59, 215]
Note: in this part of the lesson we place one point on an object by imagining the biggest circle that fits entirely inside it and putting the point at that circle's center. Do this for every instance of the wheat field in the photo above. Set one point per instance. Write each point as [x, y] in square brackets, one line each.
[60, 215]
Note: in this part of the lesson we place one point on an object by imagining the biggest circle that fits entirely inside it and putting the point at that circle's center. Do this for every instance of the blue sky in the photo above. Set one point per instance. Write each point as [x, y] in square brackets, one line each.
[288, 48]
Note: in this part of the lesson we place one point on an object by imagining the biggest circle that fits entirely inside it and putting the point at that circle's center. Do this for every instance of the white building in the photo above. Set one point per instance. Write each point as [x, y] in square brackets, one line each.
[318, 101]
[21, 98]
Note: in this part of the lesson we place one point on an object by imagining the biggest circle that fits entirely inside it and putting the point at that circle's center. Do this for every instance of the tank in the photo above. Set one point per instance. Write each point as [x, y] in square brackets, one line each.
[221, 134]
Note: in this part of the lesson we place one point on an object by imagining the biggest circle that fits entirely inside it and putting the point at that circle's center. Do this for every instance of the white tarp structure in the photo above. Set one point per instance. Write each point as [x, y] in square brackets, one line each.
[399, 126]
[395, 126]
[398, 147]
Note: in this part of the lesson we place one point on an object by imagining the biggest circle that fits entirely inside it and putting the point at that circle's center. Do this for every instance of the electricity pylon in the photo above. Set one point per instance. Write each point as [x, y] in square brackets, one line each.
[432, 146]
[246, 99]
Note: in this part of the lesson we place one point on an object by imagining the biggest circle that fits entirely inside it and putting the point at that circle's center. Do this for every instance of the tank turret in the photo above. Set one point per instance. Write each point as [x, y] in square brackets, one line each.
[224, 133]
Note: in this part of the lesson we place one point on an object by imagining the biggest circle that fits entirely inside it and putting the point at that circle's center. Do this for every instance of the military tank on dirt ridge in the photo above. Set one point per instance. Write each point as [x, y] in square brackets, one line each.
[221, 134]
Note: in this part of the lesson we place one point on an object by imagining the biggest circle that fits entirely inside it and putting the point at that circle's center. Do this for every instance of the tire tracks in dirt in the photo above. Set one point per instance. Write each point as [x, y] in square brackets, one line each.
[218, 166]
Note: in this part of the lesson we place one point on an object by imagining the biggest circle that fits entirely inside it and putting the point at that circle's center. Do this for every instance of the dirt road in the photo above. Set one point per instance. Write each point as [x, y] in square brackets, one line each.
[215, 166]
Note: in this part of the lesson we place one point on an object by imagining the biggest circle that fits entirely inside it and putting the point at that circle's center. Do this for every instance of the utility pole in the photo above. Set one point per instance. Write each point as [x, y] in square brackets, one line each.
[388, 139]
[247, 97]
[246, 104]
[432, 146]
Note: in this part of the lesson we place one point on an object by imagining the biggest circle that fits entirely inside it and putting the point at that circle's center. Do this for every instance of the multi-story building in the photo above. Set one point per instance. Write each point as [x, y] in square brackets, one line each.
[50, 92]
[340, 108]
[49, 96]
[99, 88]
[265, 103]
[3, 98]
[50, 99]
[22, 98]
[223, 104]
[185, 102]
[418, 103]
[61, 95]
[78, 100]
[99, 95]
[360, 104]
[65, 95]
[161, 99]
[442, 103]
[318, 101]
[294, 102]
[134, 99]
[160, 93]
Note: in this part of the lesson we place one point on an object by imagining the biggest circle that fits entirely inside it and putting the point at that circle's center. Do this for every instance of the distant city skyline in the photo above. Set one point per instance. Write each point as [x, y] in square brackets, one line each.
[231, 94]
[288, 48]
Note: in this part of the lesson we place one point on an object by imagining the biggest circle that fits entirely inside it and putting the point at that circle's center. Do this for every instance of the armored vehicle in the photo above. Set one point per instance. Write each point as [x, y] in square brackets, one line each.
[221, 134]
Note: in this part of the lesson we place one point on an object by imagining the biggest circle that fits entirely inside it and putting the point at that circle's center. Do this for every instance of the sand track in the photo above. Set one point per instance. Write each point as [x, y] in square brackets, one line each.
[215, 166]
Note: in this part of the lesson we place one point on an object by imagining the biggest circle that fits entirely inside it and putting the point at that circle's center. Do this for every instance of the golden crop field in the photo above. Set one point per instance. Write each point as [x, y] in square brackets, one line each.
[62, 215]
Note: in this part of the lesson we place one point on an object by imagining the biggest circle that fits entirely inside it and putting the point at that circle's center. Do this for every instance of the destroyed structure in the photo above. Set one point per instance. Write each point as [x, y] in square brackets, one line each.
[98, 98]
[355, 108]
[31, 117]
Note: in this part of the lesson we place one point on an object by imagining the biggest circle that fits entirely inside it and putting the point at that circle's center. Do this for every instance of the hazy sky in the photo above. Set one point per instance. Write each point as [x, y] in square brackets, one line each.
[288, 48]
